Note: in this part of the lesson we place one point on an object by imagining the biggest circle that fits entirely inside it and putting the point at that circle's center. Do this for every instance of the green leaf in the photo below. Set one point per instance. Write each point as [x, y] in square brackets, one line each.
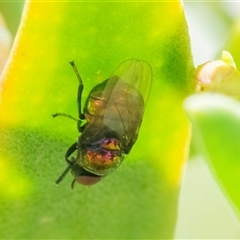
[138, 200]
[216, 124]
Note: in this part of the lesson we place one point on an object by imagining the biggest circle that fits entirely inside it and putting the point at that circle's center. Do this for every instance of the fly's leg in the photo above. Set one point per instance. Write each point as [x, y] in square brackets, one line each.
[81, 116]
[63, 174]
[79, 122]
[73, 183]
[69, 152]
[79, 101]
[65, 115]
[81, 127]
[80, 90]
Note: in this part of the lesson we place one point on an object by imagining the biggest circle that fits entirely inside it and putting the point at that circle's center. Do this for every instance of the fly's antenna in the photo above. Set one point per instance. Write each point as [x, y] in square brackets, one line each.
[76, 72]
[63, 175]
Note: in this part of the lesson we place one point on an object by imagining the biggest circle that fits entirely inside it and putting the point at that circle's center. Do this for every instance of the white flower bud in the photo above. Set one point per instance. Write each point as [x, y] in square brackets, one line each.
[219, 76]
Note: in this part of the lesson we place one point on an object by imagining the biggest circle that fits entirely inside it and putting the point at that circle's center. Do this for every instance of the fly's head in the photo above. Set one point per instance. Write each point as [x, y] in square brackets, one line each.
[82, 176]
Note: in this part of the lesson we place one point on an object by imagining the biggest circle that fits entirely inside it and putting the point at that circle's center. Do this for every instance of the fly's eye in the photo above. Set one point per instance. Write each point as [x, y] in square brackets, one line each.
[87, 180]
[110, 144]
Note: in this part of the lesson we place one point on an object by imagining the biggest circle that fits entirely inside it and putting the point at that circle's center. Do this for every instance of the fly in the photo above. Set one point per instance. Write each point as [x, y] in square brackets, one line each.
[113, 114]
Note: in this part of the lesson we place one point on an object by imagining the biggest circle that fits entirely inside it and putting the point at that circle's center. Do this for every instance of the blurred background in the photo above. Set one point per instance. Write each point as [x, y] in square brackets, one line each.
[204, 211]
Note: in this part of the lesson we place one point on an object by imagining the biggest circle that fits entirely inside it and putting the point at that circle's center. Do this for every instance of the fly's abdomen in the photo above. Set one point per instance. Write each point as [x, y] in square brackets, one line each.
[101, 157]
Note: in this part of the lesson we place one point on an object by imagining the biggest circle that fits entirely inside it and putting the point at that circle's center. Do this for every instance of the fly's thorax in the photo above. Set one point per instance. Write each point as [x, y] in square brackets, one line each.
[100, 157]
[117, 105]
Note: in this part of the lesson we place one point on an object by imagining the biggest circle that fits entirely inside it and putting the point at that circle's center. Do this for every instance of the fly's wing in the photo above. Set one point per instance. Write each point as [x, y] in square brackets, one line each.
[137, 74]
[125, 96]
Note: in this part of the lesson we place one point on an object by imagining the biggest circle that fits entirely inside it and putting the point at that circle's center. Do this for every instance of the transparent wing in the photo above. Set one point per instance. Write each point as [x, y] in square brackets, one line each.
[125, 95]
[136, 73]
[119, 104]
